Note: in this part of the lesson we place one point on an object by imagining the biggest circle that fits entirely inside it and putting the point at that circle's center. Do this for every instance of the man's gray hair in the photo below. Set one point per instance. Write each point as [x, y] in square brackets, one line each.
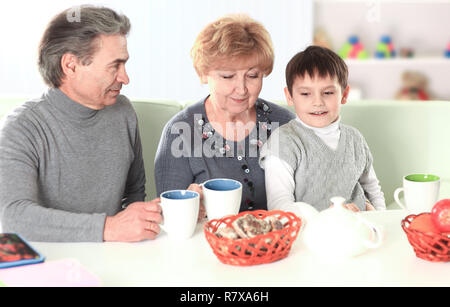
[75, 31]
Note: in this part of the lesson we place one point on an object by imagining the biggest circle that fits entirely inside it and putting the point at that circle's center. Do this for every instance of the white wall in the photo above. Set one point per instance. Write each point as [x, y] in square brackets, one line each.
[162, 35]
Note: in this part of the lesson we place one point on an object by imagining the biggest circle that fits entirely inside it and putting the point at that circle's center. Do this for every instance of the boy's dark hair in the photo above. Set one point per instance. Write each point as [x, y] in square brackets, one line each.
[316, 60]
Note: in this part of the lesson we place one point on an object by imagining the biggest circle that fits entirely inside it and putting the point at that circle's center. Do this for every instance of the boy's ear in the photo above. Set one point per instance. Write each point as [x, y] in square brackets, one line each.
[288, 97]
[345, 95]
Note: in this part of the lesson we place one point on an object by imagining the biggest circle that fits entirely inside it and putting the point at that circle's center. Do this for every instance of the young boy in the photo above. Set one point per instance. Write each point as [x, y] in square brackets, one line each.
[315, 157]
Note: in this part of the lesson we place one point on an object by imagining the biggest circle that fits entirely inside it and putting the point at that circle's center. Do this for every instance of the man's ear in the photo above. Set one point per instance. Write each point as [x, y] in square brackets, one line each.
[288, 97]
[69, 63]
[345, 95]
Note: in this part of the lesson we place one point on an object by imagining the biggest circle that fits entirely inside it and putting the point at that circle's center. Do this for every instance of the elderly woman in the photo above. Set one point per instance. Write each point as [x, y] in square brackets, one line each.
[221, 135]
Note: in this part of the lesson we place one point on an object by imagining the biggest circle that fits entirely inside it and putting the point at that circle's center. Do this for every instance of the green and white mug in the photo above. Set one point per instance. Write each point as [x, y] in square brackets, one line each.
[421, 192]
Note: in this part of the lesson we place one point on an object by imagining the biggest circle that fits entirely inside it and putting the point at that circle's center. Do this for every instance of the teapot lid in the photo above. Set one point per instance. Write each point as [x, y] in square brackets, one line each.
[338, 202]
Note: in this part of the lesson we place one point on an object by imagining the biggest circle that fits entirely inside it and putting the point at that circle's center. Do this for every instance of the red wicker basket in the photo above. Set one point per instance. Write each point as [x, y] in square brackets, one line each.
[266, 248]
[426, 245]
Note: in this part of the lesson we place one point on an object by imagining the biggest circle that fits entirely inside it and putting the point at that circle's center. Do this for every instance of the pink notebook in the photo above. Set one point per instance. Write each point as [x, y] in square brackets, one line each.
[57, 273]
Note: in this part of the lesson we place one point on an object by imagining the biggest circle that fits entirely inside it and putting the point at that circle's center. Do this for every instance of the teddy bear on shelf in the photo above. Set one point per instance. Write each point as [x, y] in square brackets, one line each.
[321, 38]
[414, 87]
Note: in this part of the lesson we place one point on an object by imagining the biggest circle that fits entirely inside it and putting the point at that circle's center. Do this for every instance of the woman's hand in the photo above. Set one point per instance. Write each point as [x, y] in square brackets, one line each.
[202, 211]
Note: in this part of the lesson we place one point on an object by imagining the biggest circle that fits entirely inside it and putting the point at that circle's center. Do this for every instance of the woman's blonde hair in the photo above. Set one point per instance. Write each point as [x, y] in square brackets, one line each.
[232, 36]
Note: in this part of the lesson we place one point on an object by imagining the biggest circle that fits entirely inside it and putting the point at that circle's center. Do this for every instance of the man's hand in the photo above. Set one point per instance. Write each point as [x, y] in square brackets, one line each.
[139, 221]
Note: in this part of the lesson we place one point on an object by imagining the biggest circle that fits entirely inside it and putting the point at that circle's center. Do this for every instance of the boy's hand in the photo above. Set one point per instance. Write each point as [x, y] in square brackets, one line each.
[370, 207]
[352, 207]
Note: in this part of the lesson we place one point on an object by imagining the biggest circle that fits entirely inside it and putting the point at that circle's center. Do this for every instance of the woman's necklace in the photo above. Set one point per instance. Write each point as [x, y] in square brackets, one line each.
[233, 129]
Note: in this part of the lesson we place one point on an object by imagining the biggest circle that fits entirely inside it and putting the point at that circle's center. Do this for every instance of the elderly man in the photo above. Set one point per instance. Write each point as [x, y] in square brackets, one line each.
[71, 166]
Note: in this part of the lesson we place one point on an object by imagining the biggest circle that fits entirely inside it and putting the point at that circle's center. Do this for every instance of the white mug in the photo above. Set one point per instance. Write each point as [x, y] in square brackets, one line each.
[421, 192]
[221, 197]
[180, 212]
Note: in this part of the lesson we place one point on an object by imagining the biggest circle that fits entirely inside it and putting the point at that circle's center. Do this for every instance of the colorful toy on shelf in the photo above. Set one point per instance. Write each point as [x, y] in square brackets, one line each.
[385, 48]
[414, 86]
[447, 51]
[353, 49]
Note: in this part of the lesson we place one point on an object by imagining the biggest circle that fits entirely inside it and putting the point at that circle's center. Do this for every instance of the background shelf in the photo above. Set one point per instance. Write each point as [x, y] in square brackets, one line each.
[425, 33]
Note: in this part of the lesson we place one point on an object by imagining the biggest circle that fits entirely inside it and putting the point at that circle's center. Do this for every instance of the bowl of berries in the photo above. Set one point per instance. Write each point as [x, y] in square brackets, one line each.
[429, 232]
[252, 237]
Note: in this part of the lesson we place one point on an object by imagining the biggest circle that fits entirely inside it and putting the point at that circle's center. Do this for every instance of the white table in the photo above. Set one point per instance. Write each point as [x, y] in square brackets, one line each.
[163, 262]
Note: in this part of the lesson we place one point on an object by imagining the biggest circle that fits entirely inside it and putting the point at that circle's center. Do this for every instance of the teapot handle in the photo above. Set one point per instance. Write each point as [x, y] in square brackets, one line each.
[374, 229]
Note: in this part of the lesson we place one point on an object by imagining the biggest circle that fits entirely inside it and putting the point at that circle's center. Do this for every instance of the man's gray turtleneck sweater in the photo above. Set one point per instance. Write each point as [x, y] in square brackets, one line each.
[65, 167]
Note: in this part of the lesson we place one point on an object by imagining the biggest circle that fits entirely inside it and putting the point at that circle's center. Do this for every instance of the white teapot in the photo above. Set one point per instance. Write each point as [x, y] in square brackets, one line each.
[339, 232]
